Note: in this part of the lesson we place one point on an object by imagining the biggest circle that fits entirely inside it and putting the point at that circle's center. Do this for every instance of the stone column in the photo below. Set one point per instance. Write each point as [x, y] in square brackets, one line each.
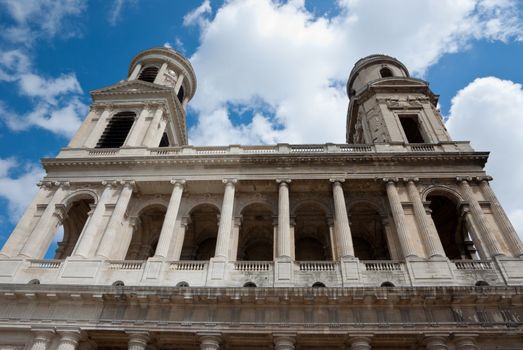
[23, 229]
[274, 237]
[501, 218]
[90, 236]
[284, 342]
[341, 221]
[429, 236]
[42, 339]
[479, 218]
[110, 236]
[82, 133]
[153, 127]
[435, 342]
[161, 74]
[233, 249]
[465, 342]
[167, 234]
[138, 130]
[225, 228]
[284, 236]
[98, 128]
[179, 238]
[210, 341]
[392, 240]
[334, 245]
[45, 229]
[474, 233]
[138, 340]
[136, 71]
[399, 219]
[360, 343]
[69, 339]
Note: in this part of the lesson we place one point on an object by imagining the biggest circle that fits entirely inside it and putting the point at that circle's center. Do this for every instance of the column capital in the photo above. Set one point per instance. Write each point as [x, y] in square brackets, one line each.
[410, 179]
[481, 179]
[63, 184]
[69, 336]
[43, 334]
[464, 341]
[229, 182]
[283, 182]
[284, 341]
[390, 180]
[128, 183]
[185, 221]
[436, 342]
[178, 182]
[109, 183]
[360, 342]
[210, 341]
[60, 212]
[461, 179]
[238, 220]
[337, 180]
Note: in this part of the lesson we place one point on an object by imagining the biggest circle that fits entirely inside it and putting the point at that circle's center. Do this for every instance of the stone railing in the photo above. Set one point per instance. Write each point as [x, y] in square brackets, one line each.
[188, 265]
[317, 265]
[45, 264]
[473, 264]
[383, 265]
[253, 265]
[282, 148]
[126, 265]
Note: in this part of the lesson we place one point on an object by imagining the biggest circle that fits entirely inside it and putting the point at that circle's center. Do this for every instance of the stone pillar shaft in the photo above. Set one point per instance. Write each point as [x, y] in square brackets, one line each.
[41, 340]
[110, 236]
[153, 128]
[181, 227]
[136, 133]
[233, 250]
[136, 71]
[429, 236]
[23, 229]
[476, 237]
[399, 220]
[98, 129]
[284, 236]
[225, 228]
[167, 235]
[341, 222]
[503, 221]
[479, 218]
[45, 229]
[161, 74]
[82, 133]
[90, 236]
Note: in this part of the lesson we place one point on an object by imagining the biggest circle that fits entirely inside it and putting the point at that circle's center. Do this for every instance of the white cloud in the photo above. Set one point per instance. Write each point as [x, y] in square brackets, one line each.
[488, 112]
[48, 89]
[297, 63]
[115, 12]
[19, 189]
[41, 18]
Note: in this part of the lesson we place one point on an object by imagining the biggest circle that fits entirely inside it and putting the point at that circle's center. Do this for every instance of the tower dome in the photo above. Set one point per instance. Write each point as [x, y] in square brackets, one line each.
[372, 68]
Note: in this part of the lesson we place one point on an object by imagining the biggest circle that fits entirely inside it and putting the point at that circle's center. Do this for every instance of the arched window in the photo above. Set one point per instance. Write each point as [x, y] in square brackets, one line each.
[200, 237]
[256, 234]
[250, 285]
[318, 285]
[164, 142]
[117, 130]
[182, 284]
[368, 234]
[387, 284]
[146, 234]
[181, 94]
[312, 236]
[148, 74]
[385, 72]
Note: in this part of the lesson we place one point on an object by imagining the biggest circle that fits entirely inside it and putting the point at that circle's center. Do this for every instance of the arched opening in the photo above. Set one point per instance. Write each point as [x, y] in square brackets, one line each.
[164, 142]
[255, 242]
[311, 234]
[35, 281]
[117, 130]
[118, 284]
[368, 234]
[387, 284]
[146, 233]
[200, 238]
[482, 284]
[318, 285]
[182, 284]
[181, 94]
[451, 227]
[68, 233]
[250, 285]
[148, 74]
[385, 72]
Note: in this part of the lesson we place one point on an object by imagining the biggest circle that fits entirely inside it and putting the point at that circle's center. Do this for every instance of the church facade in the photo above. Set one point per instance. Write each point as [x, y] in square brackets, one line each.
[392, 240]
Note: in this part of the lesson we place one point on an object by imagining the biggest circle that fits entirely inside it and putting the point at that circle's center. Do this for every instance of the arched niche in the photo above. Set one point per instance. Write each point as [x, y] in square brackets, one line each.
[201, 234]
[256, 236]
[368, 234]
[311, 233]
[146, 233]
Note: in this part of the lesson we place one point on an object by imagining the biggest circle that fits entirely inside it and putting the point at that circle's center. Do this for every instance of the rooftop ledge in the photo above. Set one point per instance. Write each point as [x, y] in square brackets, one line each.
[279, 149]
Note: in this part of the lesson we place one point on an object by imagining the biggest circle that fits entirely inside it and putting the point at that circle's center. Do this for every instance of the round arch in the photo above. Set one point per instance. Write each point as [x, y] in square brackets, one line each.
[312, 202]
[442, 190]
[80, 195]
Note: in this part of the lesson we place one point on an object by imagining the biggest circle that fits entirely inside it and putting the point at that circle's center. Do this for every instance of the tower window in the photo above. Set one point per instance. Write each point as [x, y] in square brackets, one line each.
[164, 142]
[385, 72]
[411, 128]
[181, 94]
[148, 74]
[117, 130]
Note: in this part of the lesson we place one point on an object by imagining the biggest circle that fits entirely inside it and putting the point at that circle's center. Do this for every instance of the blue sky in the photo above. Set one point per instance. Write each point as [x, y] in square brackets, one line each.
[268, 71]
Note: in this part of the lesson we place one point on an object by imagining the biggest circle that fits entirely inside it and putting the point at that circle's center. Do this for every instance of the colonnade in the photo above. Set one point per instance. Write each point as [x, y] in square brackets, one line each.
[137, 340]
[95, 241]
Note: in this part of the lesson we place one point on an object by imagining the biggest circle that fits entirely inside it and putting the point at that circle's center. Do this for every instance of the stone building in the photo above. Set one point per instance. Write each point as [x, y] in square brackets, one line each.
[393, 240]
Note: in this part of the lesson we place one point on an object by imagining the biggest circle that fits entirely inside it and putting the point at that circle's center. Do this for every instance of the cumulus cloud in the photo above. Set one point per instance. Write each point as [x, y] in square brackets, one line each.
[488, 112]
[297, 62]
[41, 18]
[56, 102]
[17, 185]
[115, 12]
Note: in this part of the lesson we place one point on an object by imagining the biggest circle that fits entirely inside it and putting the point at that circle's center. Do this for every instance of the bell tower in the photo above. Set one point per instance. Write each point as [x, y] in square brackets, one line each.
[387, 106]
[145, 111]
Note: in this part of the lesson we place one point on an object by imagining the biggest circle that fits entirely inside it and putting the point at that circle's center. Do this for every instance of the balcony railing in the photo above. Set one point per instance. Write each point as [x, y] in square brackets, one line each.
[126, 265]
[188, 265]
[317, 265]
[383, 265]
[473, 264]
[45, 264]
[253, 265]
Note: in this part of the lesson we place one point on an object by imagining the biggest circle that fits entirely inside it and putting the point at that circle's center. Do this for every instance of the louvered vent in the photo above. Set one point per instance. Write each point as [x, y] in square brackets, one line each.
[149, 74]
[117, 130]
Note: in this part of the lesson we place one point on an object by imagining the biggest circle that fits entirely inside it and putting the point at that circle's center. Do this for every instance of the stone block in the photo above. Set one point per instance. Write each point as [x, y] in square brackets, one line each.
[82, 269]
